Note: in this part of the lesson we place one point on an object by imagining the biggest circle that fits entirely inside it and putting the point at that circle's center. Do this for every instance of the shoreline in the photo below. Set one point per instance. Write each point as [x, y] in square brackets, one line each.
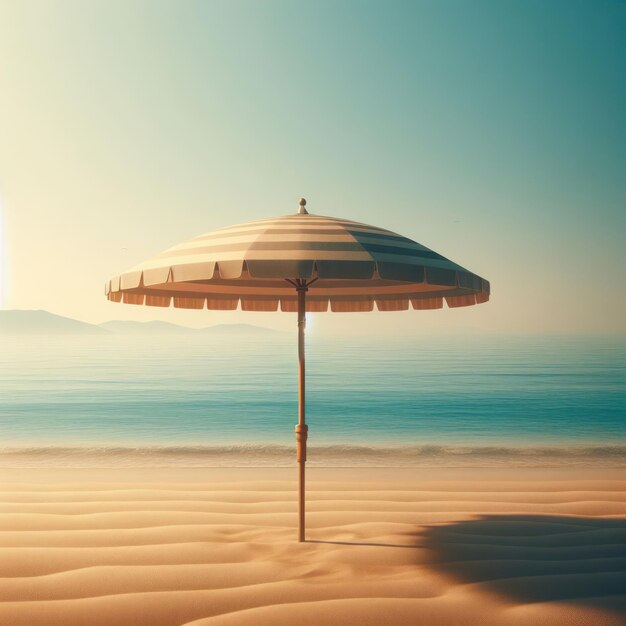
[334, 455]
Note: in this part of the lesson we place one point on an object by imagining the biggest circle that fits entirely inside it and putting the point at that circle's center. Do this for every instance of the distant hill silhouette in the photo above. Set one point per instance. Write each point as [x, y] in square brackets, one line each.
[250, 329]
[22, 322]
[124, 327]
[162, 328]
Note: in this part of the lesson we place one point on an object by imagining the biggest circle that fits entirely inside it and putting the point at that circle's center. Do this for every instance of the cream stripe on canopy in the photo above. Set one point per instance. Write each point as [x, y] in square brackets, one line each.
[354, 267]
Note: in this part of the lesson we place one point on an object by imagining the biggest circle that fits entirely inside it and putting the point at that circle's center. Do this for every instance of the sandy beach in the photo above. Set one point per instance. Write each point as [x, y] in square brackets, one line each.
[385, 546]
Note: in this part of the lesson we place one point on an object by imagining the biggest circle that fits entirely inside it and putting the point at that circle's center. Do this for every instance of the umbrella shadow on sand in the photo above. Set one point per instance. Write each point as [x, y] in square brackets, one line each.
[536, 558]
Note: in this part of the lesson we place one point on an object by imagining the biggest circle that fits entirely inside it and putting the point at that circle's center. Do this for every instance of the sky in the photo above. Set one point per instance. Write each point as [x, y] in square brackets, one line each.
[492, 132]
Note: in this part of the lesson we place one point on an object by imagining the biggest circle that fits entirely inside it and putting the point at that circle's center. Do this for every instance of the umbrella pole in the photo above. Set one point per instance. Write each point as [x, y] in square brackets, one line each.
[301, 428]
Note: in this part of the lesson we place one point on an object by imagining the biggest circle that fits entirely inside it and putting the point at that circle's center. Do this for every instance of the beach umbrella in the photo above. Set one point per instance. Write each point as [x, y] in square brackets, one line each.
[300, 263]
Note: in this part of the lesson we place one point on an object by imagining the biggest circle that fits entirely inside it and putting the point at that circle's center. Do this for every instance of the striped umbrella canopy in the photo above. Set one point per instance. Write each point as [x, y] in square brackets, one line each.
[297, 263]
[355, 266]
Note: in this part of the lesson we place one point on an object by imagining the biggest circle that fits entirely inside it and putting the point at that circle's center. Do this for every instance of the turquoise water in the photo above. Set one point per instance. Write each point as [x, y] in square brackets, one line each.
[187, 391]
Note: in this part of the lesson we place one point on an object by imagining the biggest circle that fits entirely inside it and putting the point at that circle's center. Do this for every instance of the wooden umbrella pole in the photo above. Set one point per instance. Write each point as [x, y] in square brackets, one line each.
[301, 428]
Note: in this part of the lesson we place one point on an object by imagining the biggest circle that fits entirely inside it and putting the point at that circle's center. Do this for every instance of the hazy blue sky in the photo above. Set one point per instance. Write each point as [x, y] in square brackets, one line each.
[493, 132]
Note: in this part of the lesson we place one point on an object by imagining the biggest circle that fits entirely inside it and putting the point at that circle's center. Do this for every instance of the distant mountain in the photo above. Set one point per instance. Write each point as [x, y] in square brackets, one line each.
[237, 329]
[21, 322]
[18, 322]
[165, 328]
[125, 327]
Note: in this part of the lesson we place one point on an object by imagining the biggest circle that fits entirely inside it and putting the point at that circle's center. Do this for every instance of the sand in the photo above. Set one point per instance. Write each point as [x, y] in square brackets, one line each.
[385, 546]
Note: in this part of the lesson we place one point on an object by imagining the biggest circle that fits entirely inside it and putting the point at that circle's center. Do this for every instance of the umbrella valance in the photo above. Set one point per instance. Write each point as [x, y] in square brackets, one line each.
[348, 266]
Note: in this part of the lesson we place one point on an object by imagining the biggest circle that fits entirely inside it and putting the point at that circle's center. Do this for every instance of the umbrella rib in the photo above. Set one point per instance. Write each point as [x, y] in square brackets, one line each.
[298, 285]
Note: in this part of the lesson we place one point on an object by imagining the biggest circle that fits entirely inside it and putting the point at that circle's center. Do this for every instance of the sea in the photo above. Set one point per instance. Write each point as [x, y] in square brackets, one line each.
[204, 400]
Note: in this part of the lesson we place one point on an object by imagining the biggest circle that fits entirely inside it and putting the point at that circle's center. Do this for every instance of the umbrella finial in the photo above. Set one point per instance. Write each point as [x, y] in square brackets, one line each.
[302, 210]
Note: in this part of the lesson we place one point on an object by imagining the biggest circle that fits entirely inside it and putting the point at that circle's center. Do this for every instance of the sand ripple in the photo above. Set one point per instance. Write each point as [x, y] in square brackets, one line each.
[216, 546]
